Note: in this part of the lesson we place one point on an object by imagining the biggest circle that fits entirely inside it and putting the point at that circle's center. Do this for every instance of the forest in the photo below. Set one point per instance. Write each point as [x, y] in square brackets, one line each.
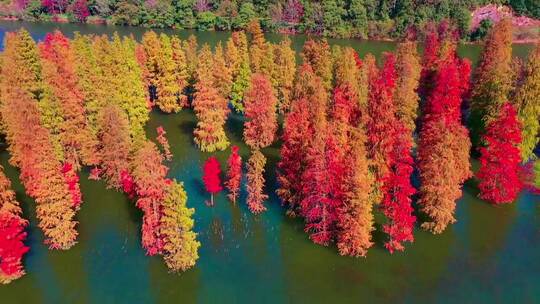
[374, 19]
[357, 137]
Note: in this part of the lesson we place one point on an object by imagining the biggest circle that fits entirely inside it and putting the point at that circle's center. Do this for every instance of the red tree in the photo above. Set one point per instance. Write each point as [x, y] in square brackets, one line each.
[234, 174]
[397, 189]
[382, 116]
[79, 9]
[128, 184]
[260, 111]
[162, 140]
[444, 144]
[72, 181]
[115, 144]
[500, 159]
[211, 177]
[296, 135]
[150, 177]
[317, 205]
[12, 234]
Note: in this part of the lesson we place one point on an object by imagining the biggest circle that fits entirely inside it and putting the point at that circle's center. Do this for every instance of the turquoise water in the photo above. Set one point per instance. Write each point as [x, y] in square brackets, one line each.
[490, 255]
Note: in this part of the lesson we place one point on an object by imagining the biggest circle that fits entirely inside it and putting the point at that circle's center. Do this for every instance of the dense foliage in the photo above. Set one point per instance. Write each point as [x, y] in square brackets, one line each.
[72, 103]
[498, 174]
[350, 147]
[342, 18]
[12, 234]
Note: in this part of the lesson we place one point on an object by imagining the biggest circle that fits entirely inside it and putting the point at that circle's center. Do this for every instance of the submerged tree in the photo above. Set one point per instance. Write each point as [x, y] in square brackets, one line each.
[211, 177]
[115, 144]
[255, 182]
[529, 106]
[296, 136]
[164, 143]
[500, 159]
[12, 234]
[150, 177]
[398, 191]
[210, 107]
[221, 72]
[381, 111]
[180, 245]
[30, 144]
[62, 108]
[285, 70]
[317, 54]
[260, 112]
[408, 76]
[234, 174]
[91, 80]
[492, 79]
[241, 71]
[444, 145]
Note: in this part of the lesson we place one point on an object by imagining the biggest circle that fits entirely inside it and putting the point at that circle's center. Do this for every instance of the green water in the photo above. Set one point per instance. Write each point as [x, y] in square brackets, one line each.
[490, 255]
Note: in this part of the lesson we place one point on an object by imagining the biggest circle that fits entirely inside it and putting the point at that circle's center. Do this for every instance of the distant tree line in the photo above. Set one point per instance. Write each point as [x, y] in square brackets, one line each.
[334, 18]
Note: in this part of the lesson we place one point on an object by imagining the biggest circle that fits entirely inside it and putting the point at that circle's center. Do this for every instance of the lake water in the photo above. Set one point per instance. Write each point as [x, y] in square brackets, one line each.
[490, 255]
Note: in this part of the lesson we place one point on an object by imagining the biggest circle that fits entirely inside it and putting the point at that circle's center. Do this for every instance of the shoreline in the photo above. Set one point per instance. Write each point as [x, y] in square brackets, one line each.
[103, 22]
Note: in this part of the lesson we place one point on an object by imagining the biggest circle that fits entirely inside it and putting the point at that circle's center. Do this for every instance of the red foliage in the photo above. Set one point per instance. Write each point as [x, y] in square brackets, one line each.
[318, 207]
[293, 11]
[382, 116]
[55, 6]
[12, 234]
[211, 177]
[260, 112]
[95, 173]
[500, 159]
[79, 9]
[162, 140]
[149, 175]
[444, 144]
[397, 189]
[59, 74]
[12, 246]
[234, 174]
[128, 184]
[72, 181]
[296, 135]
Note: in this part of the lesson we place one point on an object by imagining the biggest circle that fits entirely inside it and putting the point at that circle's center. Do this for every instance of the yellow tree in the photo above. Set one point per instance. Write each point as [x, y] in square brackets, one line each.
[285, 70]
[90, 79]
[210, 107]
[258, 47]
[221, 72]
[58, 61]
[408, 70]
[528, 101]
[190, 50]
[180, 245]
[151, 47]
[492, 80]
[241, 73]
[317, 54]
[168, 86]
[125, 75]
[181, 69]
[255, 182]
